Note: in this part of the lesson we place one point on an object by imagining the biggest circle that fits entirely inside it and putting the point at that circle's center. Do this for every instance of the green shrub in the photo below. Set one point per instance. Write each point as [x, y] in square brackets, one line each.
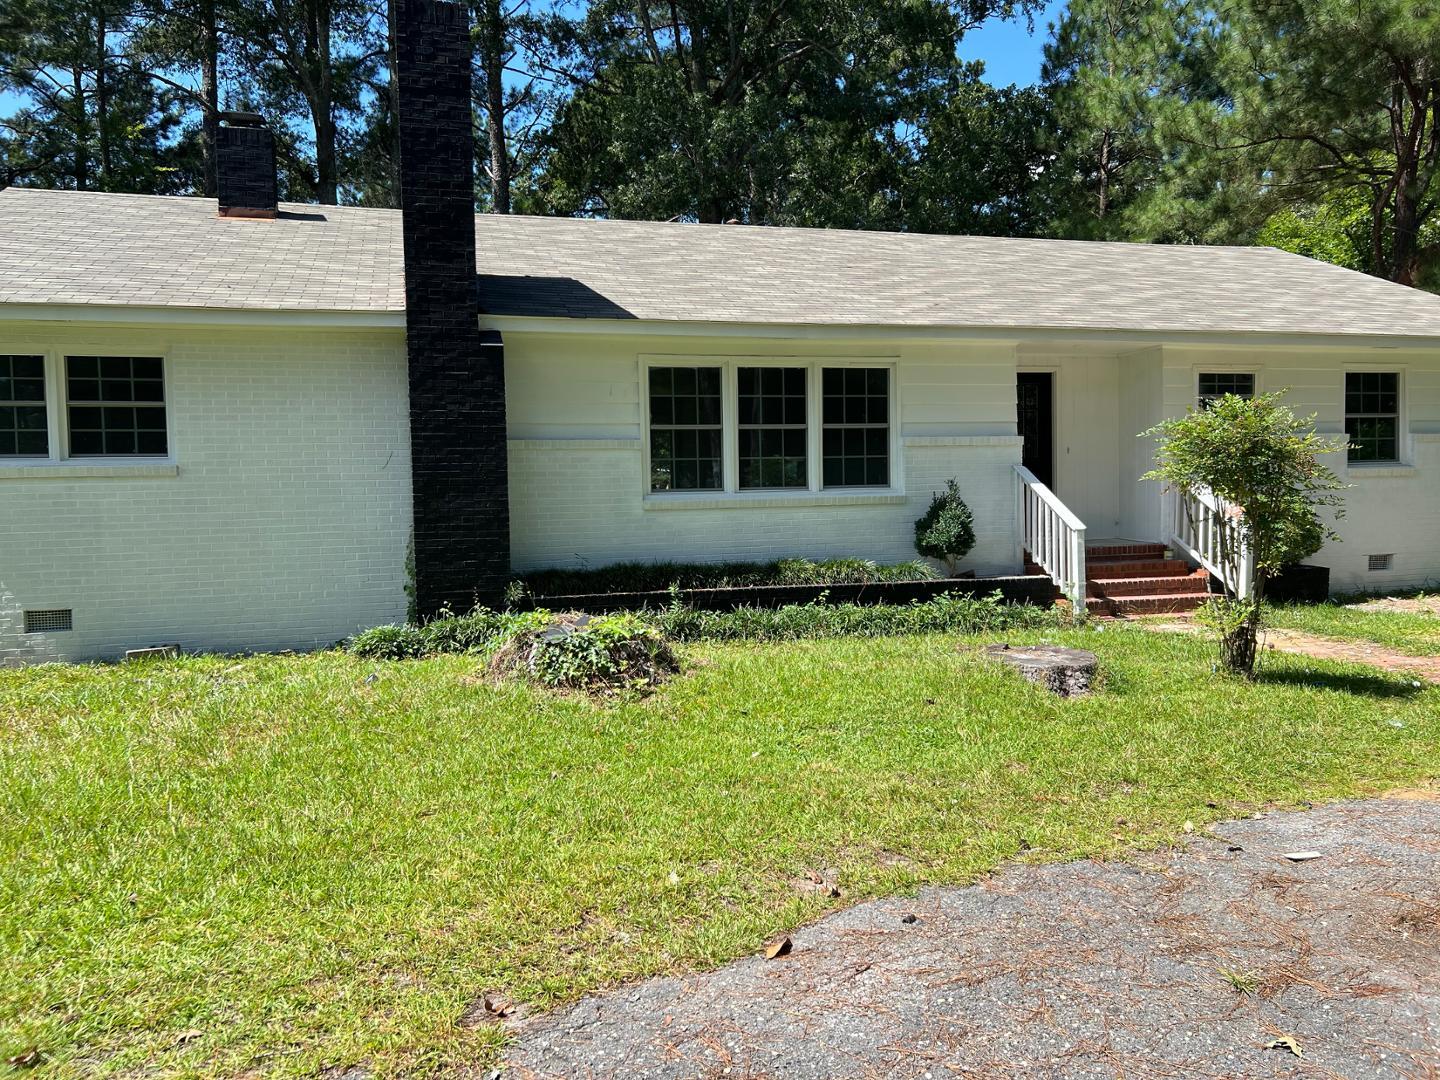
[946, 531]
[946, 613]
[583, 653]
[389, 643]
[660, 576]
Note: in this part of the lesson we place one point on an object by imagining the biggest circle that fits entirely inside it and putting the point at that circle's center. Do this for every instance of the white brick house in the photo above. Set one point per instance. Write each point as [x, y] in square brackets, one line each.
[205, 422]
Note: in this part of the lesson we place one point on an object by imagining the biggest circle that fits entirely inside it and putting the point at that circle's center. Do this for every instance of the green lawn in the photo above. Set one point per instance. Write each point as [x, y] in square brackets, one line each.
[1416, 633]
[271, 865]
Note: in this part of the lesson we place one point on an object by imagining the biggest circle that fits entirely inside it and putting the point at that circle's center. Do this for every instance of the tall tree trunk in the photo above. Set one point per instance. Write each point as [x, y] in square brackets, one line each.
[493, 61]
[1403, 257]
[1103, 207]
[81, 121]
[209, 93]
[323, 105]
[102, 99]
[392, 62]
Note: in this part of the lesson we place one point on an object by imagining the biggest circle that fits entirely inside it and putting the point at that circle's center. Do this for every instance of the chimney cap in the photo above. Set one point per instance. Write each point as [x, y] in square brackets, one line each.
[242, 119]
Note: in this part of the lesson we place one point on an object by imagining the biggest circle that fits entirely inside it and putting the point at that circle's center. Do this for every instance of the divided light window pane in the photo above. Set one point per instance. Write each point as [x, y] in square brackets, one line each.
[1372, 415]
[772, 427]
[116, 405]
[24, 431]
[1215, 385]
[855, 427]
[685, 429]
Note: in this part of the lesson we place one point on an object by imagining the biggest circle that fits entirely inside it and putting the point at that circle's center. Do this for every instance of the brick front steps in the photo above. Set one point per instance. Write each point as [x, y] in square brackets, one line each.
[1137, 579]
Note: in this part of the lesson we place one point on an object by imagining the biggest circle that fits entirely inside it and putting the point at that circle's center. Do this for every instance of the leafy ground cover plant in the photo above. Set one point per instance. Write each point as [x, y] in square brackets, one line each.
[582, 652]
[476, 631]
[946, 613]
[659, 576]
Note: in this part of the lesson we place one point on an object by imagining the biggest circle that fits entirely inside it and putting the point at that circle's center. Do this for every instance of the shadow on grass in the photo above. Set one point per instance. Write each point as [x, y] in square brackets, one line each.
[1380, 686]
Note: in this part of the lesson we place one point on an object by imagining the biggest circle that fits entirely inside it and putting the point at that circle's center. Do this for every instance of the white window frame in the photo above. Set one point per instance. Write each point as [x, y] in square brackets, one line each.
[57, 413]
[1224, 369]
[1403, 455]
[25, 459]
[729, 366]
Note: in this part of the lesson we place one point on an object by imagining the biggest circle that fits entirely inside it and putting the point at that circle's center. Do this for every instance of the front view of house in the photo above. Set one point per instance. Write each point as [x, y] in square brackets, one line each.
[255, 425]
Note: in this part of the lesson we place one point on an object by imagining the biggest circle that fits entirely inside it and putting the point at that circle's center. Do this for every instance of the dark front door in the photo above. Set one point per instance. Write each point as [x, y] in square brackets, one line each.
[1035, 422]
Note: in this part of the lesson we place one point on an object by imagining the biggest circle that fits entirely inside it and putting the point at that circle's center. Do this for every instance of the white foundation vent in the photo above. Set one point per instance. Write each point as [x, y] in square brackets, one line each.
[50, 621]
[1380, 562]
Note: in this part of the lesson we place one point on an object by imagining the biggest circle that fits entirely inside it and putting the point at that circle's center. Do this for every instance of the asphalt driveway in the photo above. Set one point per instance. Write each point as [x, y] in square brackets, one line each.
[1199, 963]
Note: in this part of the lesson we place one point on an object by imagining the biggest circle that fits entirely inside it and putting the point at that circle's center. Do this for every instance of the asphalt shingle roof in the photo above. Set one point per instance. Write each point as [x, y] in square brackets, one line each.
[101, 249]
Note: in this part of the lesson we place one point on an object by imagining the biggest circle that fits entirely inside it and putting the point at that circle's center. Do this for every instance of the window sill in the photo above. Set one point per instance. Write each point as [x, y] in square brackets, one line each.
[751, 500]
[1381, 468]
[77, 469]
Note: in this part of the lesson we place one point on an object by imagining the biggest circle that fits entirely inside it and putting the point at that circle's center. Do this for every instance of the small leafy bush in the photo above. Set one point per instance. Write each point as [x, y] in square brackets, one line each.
[1264, 461]
[944, 614]
[946, 531]
[389, 643]
[660, 576]
[578, 652]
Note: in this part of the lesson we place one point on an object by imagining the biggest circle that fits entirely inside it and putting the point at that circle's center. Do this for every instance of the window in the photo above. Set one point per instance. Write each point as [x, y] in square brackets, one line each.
[772, 428]
[739, 425]
[855, 433]
[685, 429]
[1372, 415]
[116, 405]
[1216, 384]
[24, 430]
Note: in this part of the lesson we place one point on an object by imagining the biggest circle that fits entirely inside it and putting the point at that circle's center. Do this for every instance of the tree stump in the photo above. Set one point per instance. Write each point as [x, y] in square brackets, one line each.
[1067, 672]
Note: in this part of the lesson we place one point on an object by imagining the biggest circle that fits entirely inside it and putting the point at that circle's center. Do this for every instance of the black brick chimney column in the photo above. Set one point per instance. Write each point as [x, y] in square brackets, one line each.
[457, 380]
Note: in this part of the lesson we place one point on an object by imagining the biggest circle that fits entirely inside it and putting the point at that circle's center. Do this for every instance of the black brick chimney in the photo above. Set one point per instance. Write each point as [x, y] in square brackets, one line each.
[245, 166]
[457, 376]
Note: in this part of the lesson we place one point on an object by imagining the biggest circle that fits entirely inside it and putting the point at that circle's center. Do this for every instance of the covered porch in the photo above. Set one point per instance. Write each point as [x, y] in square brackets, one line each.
[1109, 539]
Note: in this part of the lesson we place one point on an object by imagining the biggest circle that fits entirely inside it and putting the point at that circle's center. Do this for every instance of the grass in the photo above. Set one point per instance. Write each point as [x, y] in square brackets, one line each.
[273, 865]
[1415, 633]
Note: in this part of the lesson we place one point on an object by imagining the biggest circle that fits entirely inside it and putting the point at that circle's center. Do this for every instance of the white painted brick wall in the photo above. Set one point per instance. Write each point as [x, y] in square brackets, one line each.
[286, 521]
[578, 502]
[285, 525]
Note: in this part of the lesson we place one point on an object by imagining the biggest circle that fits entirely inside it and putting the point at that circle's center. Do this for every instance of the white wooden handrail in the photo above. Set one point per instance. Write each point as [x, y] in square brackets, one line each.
[1212, 532]
[1052, 534]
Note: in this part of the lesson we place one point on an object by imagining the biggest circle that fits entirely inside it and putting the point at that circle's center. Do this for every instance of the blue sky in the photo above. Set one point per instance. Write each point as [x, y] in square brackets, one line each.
[1011, 53]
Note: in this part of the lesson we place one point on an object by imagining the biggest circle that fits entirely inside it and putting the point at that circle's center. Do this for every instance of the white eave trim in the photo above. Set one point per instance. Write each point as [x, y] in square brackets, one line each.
[1006, 334]
[160, 315]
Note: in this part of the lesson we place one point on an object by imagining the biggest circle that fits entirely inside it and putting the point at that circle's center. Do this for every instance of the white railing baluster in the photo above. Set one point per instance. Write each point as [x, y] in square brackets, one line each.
[1210, 531]
[1054, 537]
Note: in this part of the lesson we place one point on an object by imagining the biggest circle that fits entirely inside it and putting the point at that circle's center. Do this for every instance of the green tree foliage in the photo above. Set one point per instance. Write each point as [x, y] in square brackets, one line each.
[1228, 120]
[93, 120]
[1262, 460]
[1337, 99]
[794, 113]
[1127, 78]
[980, 162]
